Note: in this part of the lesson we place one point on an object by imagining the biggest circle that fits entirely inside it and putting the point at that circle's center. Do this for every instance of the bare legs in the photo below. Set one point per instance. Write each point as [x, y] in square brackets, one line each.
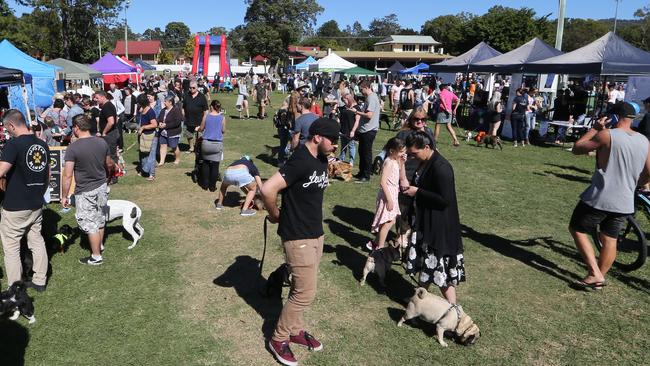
[95, 240]
[382, 233]
[596, 269]
[163, 154]
[449, 128]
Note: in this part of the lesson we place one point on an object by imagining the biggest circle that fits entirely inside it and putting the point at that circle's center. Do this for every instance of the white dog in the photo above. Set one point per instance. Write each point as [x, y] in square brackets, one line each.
[130, 214]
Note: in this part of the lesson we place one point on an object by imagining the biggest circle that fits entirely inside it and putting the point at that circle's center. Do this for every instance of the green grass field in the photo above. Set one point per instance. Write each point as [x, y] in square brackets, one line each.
[187, 293]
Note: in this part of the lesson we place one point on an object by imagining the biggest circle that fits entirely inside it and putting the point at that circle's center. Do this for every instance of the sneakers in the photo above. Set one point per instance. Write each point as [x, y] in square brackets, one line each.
[370, 245]
[282, 352]
[218, 205]
[362, 180]
[90, 261]
[38, 288]
[307, 340]
[248, 212]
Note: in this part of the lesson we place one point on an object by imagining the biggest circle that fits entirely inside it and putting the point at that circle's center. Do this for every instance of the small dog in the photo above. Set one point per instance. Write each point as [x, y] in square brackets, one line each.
[339, 169]
[60, 241]
[277, 279]
[272, 151]
[16, 301]
[469, 135]
[436, 310]
[379, 261]
[492, 140]
[130, 214]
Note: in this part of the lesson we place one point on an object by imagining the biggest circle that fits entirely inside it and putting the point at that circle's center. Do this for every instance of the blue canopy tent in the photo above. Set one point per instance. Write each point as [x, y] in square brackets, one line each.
[145, 66]
[419, 68]
[304, 65]
[43, 74]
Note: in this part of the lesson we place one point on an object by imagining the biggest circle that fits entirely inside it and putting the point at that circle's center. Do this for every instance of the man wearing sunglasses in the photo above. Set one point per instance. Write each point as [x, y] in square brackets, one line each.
[195, 107]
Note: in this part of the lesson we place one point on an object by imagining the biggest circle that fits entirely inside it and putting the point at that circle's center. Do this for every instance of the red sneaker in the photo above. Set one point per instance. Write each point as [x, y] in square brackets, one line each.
[282, 352]
[305, 339]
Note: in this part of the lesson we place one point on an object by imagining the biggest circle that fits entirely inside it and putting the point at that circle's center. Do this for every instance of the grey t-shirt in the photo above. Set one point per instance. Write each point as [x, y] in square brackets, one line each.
[302, 125]
[372, 124]
[89, 157]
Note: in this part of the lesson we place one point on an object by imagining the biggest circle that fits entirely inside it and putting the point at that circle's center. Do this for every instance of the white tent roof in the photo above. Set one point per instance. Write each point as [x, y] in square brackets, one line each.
[331, 62]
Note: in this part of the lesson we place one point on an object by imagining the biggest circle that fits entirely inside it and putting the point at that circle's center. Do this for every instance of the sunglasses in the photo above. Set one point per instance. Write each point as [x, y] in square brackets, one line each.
[192, 87]
[419, 119]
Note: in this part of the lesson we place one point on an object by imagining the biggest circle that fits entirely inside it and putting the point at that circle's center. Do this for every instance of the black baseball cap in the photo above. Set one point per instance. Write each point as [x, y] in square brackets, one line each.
[626, 109]
[325, 127]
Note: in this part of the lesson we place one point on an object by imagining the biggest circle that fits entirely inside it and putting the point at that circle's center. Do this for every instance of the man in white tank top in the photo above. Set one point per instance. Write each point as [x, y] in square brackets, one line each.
[622, 163]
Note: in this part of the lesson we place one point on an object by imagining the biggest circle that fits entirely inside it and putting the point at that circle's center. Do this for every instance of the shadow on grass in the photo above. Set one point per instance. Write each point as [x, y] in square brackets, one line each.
[243, 275]
[358, 217]
[570, 167]
[398, 288]
[346, 233]
[569, 177]
[268, 159]
[515, 250]
[14, 339]
[396, 314]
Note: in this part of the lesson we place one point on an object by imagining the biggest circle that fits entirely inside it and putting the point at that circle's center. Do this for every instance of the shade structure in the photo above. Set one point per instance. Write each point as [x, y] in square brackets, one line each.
[10, 76]
[516, 60]
[115, 70]
[462, 63]
[608, 55]
[145, 66]
[331, 63]
[396, 67]
[421, 67]
[304, 65]
[43, 74]
[74, 70]
[357, 71]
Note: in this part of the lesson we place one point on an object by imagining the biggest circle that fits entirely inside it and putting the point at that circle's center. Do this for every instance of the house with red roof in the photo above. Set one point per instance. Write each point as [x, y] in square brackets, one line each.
[148, 51]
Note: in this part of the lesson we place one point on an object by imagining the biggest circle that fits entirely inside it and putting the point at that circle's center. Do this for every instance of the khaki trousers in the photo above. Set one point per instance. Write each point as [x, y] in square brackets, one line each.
[303, 258]
[13, 226]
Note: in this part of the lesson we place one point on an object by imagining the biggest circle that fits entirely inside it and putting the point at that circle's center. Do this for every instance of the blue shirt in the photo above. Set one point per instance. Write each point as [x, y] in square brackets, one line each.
[213, 127]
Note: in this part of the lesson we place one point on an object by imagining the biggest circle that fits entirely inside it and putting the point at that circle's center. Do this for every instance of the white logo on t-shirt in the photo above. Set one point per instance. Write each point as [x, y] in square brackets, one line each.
[36, 158]
[314, 178]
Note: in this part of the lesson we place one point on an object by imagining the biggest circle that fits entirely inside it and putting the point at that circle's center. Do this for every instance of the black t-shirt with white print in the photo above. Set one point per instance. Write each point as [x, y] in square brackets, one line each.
[28, 177]
[301, 215]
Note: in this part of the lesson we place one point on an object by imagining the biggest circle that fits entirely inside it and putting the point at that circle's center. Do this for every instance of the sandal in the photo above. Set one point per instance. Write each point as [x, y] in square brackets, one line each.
[456, 143]
[581, 285]
[151, 178]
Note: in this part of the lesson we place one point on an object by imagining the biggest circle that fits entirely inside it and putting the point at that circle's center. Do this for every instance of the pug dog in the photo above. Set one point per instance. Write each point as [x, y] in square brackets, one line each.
[447, 317]
[380, 260]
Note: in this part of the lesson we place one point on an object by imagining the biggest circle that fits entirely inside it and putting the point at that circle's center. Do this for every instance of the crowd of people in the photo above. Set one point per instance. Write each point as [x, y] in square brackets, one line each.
[416, 192]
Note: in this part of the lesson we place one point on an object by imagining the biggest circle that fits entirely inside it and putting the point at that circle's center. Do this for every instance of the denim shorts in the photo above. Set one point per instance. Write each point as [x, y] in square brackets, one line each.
[238, 177]
[172, 142]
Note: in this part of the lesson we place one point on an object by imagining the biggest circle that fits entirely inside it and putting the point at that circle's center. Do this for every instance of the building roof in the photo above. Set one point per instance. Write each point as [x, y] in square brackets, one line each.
[408, 39]
[381, 55]
[293, 48]
[138, 47]
[260, 58]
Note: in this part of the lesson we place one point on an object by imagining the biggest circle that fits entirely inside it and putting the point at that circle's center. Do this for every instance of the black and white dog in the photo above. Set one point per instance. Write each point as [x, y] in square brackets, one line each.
[130, 214]
[380, 260]
[16, 302]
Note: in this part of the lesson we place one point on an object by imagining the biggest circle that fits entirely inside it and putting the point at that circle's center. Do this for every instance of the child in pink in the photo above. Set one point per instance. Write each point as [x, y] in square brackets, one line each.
[387, 209]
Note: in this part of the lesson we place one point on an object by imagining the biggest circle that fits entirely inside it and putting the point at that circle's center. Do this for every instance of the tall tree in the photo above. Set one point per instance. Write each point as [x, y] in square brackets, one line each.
[579, 32]
[329, 29]
[271, 26]
[176, 34]
[155, 34]
[450, 31]
[508, 28]
[385, 26]
[217, 31]
[75, 17]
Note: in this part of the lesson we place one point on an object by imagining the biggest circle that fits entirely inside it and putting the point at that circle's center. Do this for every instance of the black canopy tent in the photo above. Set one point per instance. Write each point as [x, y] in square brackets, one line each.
[396, 67]
[516, 60]
[608, 55]
[10, 76]
[464, 62]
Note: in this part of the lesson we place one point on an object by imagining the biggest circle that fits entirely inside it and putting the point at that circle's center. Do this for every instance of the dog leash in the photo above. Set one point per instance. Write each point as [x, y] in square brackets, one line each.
[266, 221]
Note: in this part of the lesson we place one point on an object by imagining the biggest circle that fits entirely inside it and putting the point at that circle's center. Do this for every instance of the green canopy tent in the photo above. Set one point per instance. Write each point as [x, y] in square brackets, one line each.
[76, 71]
[357, 71]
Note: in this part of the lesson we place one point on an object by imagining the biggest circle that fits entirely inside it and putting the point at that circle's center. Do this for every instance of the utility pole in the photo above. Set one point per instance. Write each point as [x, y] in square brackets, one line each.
[616, 15]
[126, 32]
[99, 41]
[560, 25]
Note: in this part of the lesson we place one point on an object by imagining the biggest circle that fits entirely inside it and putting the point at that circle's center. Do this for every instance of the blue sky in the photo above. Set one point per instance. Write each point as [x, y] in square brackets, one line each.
[201, 15]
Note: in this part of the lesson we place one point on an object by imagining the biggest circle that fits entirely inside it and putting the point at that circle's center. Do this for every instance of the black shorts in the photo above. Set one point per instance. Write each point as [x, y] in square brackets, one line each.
[585, 219]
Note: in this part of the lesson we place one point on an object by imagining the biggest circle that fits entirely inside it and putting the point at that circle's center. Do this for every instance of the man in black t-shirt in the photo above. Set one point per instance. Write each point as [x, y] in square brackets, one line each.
[518, 117]
[302, 181]
[195, 107]
[25, 164]
[349, 125]
[107, 122]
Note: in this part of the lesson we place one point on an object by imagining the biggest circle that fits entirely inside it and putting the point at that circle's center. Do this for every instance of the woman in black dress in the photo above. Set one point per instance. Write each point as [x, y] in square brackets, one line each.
[435, 247]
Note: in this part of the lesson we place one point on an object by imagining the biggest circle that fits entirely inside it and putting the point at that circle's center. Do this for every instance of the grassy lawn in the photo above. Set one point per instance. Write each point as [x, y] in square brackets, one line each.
[187, 293]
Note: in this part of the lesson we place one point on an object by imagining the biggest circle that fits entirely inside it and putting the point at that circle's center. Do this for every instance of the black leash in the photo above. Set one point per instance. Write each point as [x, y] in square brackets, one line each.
[266, 221]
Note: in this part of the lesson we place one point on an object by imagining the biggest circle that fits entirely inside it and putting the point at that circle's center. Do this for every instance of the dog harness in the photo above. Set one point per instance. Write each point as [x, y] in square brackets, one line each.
[451, 306]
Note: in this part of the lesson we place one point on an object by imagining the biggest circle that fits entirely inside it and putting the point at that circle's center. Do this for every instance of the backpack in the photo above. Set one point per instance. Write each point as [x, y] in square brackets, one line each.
[281, 119]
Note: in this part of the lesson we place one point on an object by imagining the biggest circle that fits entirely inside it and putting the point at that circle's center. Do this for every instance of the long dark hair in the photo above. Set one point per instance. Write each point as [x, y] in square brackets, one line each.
[216, 105]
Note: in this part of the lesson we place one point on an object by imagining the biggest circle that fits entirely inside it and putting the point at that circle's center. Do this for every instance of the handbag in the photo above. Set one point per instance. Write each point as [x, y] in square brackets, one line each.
[145, 142]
